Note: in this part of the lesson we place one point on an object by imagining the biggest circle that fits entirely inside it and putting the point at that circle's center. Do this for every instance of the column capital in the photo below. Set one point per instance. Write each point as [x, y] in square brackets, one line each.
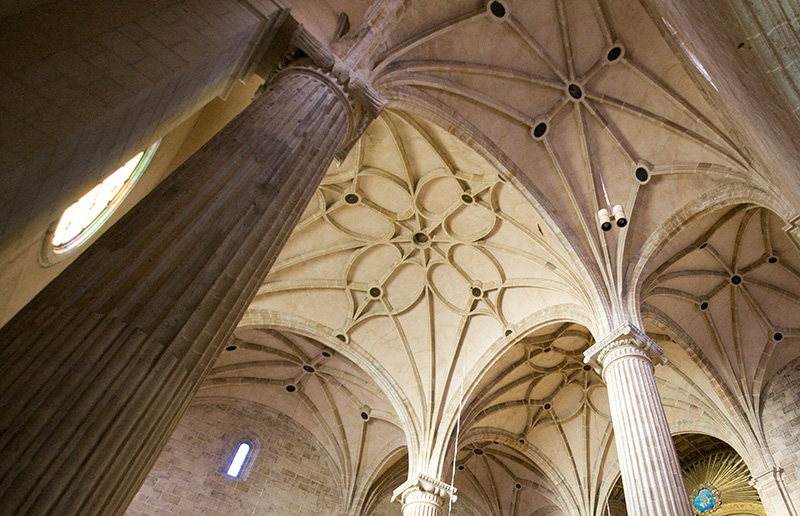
[626, 340]
[424, 489]
[364, 102]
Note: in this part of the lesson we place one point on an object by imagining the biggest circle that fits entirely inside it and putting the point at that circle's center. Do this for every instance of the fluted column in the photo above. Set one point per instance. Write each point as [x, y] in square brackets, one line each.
[96, 371]
[772, 491]
[424, 496]
[651, 474]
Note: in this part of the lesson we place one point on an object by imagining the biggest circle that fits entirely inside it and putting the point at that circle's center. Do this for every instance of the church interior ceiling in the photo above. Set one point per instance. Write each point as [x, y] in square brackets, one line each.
[544, 170]
[457, 260]
[432, 260]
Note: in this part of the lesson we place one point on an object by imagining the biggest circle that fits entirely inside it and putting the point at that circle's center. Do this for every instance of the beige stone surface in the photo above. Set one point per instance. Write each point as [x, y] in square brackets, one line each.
[434, 301]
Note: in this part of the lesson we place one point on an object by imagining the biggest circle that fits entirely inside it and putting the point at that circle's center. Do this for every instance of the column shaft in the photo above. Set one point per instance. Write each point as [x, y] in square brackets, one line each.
[96, 371]
[651, 474]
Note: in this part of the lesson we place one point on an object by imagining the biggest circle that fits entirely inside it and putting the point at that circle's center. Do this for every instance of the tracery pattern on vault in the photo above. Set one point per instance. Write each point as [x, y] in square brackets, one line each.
[584, 96]
[417, 252]
[730, 283]
[538, 429]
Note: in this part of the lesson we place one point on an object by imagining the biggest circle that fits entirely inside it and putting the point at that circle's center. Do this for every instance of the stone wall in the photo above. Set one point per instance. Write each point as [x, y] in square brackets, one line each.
[781, 419]
[285, 474]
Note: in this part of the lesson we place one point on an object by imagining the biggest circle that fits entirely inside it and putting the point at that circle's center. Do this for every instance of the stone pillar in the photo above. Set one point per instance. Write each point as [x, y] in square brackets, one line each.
[97, 370]
[423, 496]
[773, 493]
[651, 474]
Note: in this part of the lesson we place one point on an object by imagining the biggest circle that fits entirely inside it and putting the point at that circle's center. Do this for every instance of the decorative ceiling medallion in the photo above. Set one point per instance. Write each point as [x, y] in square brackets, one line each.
[706, 499]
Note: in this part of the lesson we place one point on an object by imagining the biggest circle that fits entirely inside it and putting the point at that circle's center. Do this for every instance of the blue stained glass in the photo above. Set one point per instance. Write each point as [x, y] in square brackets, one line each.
[704, 500]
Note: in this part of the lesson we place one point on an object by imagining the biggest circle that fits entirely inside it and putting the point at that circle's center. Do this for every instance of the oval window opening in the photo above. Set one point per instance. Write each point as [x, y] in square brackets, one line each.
[84, 217]
[235, 467]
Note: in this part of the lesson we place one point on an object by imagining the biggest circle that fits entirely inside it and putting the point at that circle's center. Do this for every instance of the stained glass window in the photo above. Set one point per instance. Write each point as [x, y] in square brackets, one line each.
[87, 214]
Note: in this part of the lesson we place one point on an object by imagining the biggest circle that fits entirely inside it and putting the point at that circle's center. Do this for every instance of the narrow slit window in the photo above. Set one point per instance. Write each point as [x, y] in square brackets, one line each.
[238, 460]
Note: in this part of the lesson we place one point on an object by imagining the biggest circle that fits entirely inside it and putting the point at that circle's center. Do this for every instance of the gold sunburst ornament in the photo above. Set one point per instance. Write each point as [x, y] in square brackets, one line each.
[719, 480]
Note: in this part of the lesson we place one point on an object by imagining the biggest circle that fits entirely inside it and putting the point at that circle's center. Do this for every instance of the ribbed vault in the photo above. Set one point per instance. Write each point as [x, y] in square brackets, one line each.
[421, 260]
[325, 393]
[537, 430]
[730, 282]
[417, 256]
[583, 100]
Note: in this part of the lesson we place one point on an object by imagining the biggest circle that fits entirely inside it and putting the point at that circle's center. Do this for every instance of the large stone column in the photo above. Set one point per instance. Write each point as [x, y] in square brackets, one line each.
[422, 495]
[96, 371]
[651, 474]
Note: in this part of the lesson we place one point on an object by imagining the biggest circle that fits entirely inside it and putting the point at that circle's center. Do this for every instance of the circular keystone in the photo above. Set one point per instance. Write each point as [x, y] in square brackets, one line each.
[575, 91]
[539, 130]
[352, 198]
[614, 53]
[497, 9]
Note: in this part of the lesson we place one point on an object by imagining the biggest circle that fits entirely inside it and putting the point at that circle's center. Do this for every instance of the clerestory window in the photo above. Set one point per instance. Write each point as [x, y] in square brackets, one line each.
[87, 214]
[239, 458]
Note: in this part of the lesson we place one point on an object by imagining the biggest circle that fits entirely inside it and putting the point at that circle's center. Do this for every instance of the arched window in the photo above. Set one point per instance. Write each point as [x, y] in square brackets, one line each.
[87, 214]
[239, 458]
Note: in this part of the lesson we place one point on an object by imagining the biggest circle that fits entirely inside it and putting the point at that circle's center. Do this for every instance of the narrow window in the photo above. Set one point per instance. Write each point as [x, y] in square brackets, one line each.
[238, 460]
[87, 214]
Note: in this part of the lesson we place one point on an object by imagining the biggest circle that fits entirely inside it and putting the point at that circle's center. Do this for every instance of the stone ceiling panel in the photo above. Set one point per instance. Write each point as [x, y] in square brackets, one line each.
[583, 100]
[418, 255]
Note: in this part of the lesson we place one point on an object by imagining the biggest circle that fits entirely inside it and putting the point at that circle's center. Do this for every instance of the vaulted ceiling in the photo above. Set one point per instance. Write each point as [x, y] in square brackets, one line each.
[456, 259]
[586, 105]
